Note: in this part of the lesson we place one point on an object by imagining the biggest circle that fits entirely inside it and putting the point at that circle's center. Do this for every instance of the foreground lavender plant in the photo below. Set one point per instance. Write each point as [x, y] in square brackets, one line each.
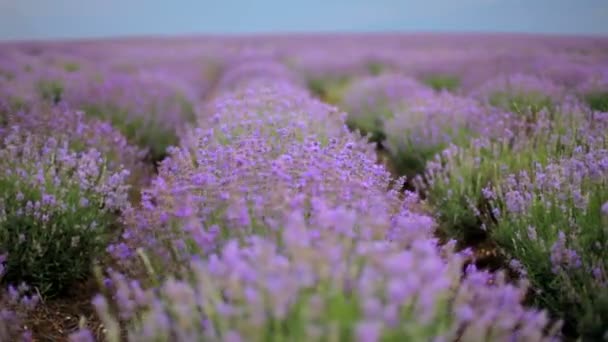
[552, 222]
[56, 208]
[456, 182]
[312, 283]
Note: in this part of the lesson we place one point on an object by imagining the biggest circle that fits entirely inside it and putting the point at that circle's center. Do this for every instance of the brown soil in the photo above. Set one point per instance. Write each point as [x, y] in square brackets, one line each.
[55, 319]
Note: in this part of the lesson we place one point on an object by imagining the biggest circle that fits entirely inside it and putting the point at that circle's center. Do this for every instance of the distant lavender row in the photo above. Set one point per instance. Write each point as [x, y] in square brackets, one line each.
[149, 103]
[471, 59]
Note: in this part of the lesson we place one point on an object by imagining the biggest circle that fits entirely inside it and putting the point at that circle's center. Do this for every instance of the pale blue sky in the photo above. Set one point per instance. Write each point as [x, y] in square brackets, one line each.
[44, 19]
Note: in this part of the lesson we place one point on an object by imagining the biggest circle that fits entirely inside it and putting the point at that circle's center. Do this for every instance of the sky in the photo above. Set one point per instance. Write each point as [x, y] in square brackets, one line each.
[66, 19]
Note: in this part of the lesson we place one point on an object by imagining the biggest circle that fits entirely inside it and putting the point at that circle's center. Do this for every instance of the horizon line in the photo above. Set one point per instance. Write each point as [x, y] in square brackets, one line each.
[298, 33]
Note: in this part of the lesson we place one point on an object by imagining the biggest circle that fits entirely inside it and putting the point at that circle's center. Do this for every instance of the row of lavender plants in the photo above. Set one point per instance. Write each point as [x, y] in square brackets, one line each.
[538, 193]
[149, 105]
[520, 160]
[76, 145]
[272, 221]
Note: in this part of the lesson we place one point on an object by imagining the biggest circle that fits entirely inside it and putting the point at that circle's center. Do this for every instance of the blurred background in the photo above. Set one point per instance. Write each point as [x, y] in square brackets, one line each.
[67, 19]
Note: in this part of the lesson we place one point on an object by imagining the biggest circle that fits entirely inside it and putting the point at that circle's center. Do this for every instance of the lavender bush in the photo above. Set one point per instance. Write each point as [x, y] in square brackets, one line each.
[147, 107]
[413, 122]
[266, 69]
[552, 222]
[56, 210]
[373, 100]
[420, 130]
[144, 108]
[84, 133]
[458, 180]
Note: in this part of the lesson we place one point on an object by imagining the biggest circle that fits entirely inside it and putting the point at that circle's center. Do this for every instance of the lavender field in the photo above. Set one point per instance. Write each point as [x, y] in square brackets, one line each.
[406, 187]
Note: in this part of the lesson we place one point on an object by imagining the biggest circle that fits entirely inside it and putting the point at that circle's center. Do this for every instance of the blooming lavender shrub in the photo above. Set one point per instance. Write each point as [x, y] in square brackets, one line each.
[39, 82]
[458, 182]
[413, 122]
[424, 127]
[371, 101]
[57, 208]
[144, 108]
[552, 223]
[311, 282]
[10, 102]
[328, 78]
[84, 133]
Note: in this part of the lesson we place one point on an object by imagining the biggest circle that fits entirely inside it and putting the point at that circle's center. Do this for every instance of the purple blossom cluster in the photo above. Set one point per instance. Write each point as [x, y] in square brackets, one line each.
[454, 180]
[83, 133]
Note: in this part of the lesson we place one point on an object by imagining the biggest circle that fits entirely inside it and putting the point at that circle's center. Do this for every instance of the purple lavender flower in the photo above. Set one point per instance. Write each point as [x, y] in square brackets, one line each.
[82, 336]
[605, 209]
